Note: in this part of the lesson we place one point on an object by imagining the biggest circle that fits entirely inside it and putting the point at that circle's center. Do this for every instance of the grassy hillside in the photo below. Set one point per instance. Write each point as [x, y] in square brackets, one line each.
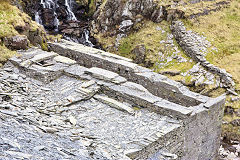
[11, 18]
[151, 37]
[222, 29]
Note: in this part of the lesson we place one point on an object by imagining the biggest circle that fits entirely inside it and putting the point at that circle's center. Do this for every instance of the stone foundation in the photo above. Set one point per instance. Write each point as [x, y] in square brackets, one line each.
[130, 112]
[201, 116]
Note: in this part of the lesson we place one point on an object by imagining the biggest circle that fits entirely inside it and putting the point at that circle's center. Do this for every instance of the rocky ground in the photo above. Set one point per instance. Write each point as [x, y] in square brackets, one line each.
[229, 151]
[27, 129]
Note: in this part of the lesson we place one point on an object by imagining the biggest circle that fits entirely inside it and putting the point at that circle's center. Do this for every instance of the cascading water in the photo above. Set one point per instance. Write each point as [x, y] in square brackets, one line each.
[57, 16]
[71, 15]
[86, 36]
[49, 4]
[38, 18]
[43, 3]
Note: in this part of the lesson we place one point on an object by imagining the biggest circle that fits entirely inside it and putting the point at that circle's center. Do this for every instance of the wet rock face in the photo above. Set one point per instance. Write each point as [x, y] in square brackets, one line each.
[66, 17]
[51, 14]
[48, 18]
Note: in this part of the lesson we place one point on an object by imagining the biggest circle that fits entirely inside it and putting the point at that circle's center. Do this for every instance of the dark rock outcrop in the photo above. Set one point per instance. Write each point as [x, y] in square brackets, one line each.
[140, 54]
[119, 16]
[17, 42]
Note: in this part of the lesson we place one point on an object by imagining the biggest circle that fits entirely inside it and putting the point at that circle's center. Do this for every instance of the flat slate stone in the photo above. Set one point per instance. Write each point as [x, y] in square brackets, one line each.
[115, 104]
[65, 60]
[43, 56]
[175, 108]
[102, 74]
[75, 70]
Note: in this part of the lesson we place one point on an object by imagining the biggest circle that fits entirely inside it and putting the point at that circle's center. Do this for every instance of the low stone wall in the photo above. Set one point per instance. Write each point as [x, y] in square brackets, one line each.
[195, 47]
[156, 84]
[203, 130]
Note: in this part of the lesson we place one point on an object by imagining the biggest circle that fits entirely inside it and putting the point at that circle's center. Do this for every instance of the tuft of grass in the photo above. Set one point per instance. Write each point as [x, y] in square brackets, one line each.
[5, 54]
[231, 132]
[11, 17]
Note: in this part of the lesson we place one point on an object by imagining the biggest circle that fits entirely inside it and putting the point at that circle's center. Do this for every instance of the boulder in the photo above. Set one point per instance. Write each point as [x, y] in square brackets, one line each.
[139, 53]
[16, 42]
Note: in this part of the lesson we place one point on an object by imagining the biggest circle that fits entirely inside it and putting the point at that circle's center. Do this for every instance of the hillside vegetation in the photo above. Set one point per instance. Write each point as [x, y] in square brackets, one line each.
[222, 29]
[14, 22]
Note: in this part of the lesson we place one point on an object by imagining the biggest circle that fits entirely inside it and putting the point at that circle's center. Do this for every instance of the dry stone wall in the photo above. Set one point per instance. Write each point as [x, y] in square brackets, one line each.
[196, 47]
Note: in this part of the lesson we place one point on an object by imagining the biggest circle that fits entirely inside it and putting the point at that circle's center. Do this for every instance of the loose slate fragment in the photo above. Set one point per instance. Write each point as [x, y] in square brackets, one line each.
[88, 84]
[102, 73]
[61, 150]
[49, 129]
[72, 120]
[11, 143]
[84, 91]
[8, 112]
[43, 56]
[19, 155]
[131, 152]
[63, 59]
[39, 148]
[115, 104]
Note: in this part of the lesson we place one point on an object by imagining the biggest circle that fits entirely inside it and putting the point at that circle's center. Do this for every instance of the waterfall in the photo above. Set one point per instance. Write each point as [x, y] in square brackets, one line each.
[38, 18]
[86, 36]
[71, 15]
[56, 21]
[49, 4]
[43, 4]
[66, 7]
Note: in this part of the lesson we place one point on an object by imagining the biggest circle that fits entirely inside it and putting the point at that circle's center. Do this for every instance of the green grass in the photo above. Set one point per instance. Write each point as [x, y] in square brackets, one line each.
[5, 54]
[149, 36]
[222, 29]
[11, 17]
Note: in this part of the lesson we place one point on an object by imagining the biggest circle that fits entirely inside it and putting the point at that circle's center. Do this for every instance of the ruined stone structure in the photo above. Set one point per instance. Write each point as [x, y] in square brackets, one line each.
[193, 45]
[126, 111]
